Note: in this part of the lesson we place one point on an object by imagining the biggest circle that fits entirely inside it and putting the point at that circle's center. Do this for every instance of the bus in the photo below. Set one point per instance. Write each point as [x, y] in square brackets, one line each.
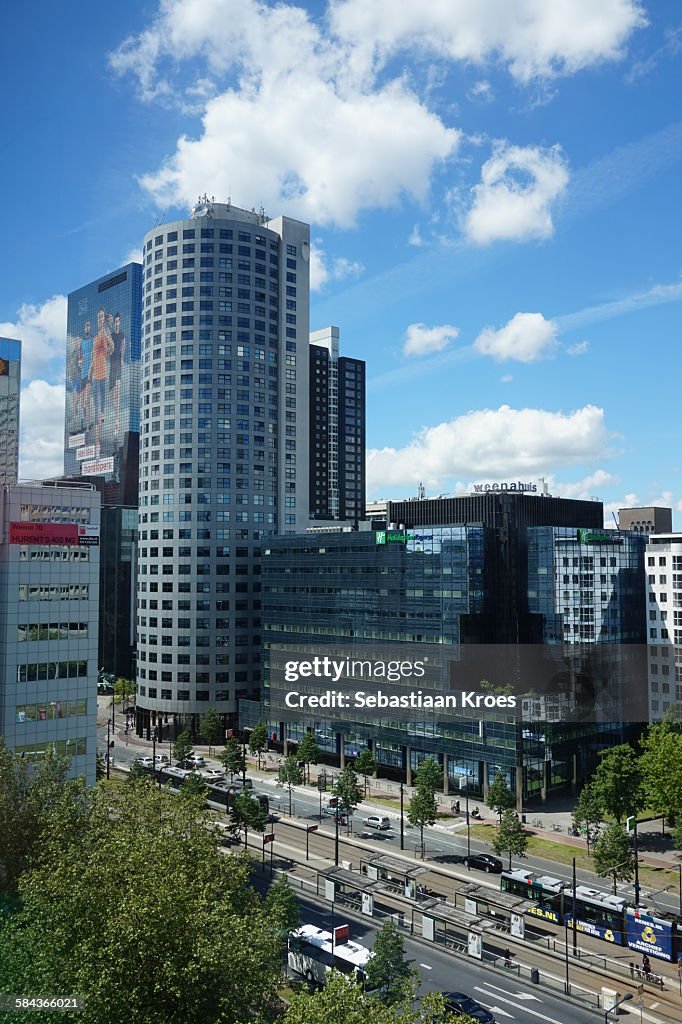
[312, 952]
[220, 796]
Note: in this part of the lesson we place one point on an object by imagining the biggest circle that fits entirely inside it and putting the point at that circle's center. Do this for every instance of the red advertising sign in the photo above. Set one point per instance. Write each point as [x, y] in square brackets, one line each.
[341, 934]
[43, 533]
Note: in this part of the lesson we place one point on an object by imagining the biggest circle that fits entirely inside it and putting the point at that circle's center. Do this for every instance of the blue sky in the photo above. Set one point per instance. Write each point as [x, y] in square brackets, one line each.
[493, 190]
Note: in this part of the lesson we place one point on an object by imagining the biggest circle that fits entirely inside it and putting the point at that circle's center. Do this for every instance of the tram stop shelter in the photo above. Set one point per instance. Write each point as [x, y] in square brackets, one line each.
[504, 909]
[453, 927]
[339, 885]
[396, 876]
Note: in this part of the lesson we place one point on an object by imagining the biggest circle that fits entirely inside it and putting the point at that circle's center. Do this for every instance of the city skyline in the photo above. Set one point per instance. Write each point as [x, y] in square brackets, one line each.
[506, 263]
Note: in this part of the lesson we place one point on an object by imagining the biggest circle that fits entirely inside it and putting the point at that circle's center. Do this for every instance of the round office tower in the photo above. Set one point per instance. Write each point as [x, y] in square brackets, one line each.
[223, 451]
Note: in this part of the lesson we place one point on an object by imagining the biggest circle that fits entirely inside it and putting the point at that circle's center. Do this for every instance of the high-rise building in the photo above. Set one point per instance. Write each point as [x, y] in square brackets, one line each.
[664, 637]
[10, 385]
[224, 450]
[102, 439]
[648, 519]
[49, 596]
[337, 430]
[510, 582]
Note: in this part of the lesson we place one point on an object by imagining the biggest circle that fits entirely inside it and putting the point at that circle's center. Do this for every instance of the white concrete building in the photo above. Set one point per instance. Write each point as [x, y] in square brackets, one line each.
[664, 601]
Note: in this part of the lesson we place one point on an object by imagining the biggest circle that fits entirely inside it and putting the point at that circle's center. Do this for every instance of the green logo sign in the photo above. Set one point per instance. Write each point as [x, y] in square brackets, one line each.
[390, 537]
[380, 537]
[597, 537]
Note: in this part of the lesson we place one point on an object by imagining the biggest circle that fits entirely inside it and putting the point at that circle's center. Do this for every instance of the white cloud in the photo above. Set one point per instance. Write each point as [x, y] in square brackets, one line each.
[481, 91]
[41, 443]
[491, 442]
[514, 198]
[421, 340]
[533, 38]
[589, 487]
[506, 378]
[42, 331]
[322, 271]
[579, 349]
[415, 238]
[526, 338]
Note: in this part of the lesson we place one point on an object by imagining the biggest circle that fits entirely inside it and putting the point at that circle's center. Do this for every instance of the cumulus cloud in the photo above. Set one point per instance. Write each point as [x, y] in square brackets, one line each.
[589, 487]
[491, 442]
[513, 201]
[535, 40]
[526, 338]
[322, 270]
[42, 332]
[41, 443]
[421, 340]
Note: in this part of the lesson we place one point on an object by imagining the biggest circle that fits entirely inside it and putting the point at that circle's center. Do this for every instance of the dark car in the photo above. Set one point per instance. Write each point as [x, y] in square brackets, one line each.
[460, 1004]
[484, 862]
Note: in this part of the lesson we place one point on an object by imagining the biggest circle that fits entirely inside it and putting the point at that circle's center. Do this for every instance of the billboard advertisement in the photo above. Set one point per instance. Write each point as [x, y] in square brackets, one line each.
[103, 376]
[649, 934]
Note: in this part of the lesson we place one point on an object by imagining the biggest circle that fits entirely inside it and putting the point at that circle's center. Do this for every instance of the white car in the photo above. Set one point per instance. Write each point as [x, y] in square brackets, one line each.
[196, 761]
[146, 762]
[213, 775]
[379, 821]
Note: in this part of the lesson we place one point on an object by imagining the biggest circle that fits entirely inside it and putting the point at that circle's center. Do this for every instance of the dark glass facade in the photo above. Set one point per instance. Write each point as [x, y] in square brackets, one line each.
[451, 585]
[118, 563]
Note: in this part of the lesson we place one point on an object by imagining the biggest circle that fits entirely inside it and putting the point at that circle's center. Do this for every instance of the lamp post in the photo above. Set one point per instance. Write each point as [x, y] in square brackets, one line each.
[633, 818]
[108, 738]
[402, 818]
[626, 998]
[336, 835]
[679, 868]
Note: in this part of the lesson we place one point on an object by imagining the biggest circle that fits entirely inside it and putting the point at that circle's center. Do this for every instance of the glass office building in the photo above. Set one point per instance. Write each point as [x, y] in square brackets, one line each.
[224, 450]
[10, 386]
[449, 585]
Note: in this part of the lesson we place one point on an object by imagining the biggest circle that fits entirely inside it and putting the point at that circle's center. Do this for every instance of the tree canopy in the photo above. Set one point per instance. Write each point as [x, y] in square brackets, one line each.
[618, 782]
[389, 972]
[258, 740]
[614, 856]
[510, 836]
[500, 796]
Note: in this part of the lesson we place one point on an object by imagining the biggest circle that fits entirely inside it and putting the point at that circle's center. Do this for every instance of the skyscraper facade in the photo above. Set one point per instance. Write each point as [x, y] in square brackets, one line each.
[10, 384]
[337, 430]
[103, 369]
[224, 450]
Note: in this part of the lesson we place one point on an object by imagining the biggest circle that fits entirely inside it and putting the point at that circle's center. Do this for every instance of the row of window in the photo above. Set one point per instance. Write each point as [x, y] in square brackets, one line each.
[54, 514]
[52, 631]
[52, 670]
[54, 553]
[54, 592]
[184, 695]
[47, 711]
[35, 751]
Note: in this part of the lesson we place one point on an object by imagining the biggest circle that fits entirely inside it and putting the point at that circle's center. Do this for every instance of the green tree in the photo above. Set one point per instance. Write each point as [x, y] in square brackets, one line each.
[422, 810]
[617, 782]
[308, 752]
[613, 855]
[137, 773]
[661, 765]
[232, 758]
[348, 791]
[33, 795]
[246, 814]
[500, 796]
[343, 1002]
[365, 765]
[282, 906]
[429, 774]
[66, 938]
[258, 740]
[182, 747]
[510, 836]
[211, 728]
[124, 689]
[290, 775]
[588, 811]
[389, 972]
[100, 767]
[194, 786]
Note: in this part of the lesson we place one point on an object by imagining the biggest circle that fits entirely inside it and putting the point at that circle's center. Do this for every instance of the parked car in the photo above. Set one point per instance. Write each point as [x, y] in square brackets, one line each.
[162, 759]
[379, 821]
[242, 783]
[213, 775]
[461, 1004]
[484, 862]
[196, 761]
[146, 762]
[335, 812]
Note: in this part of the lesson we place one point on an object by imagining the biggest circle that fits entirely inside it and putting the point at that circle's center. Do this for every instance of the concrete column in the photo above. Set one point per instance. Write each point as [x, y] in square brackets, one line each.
[546, 776]
[446, 777]
[285, 747]
[408, 765]
[574, 775]
[342, 753]
[486, 784]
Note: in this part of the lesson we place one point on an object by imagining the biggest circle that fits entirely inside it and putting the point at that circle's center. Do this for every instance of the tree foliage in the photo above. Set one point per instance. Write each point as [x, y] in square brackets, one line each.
[290, 775]
[308, 751]
[510, 836]
[211, 728]
[282, 906]
[500, 796]
[614, 856]
[389, 972]
[232, 758]
[343, 1002]
[182, 747]
[33, 797]
[139, 910]
[124, 689]
[194, 786]
[422, 810]
[618, 783]
[247, 815]
[429, 774]
[365, 764]
[588, 811]
[348, 790]
[258, 740]
[661, 765]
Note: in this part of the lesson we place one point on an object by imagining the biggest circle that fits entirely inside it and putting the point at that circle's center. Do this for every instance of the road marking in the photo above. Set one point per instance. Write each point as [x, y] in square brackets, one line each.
[497, 1010]
[516, 995]
[652, 1006]
[426, 967]
[527, 1009]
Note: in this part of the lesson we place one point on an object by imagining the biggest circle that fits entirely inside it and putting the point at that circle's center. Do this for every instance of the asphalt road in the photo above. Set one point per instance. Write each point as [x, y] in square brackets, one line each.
[508, 998]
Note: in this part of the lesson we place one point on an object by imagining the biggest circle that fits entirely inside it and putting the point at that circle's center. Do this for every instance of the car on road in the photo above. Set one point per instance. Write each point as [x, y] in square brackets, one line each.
[213, 775]
[484, 862]
[379, 821]
[162, 759]
[461, 1005]
[335, 812]
[146, 762]
[196, 761]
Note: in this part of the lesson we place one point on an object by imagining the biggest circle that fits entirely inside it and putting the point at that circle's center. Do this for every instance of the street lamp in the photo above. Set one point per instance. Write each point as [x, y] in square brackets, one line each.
[108, 739]
[402, 818]
[626, 998]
